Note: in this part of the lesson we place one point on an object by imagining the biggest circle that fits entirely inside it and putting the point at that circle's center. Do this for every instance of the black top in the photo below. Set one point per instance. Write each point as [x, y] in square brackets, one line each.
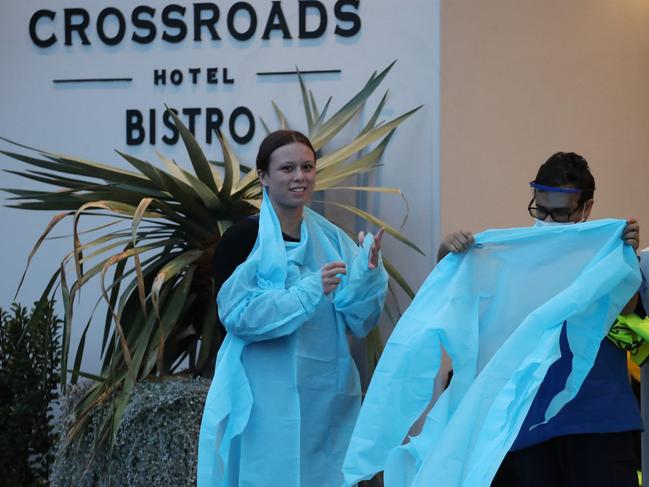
[235, 247]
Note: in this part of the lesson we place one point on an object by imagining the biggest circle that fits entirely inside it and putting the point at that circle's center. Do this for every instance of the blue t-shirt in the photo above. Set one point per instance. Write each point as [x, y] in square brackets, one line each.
[605, 402]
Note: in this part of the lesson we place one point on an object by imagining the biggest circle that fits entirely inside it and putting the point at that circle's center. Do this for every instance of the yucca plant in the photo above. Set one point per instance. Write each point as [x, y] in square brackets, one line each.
[153, 256]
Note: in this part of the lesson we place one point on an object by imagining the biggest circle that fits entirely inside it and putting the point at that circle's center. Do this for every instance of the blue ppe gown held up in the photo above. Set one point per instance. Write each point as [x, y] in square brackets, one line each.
[498, 311]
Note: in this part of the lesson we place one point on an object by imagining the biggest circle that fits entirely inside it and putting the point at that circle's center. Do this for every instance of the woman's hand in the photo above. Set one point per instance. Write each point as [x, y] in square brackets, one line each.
[373, 262]
[456, 242]
[330, 279]
[631, 234]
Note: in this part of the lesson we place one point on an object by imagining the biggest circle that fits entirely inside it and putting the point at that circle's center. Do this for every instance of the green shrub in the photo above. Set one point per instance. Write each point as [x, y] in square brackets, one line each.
[156, 443]
[30, 352]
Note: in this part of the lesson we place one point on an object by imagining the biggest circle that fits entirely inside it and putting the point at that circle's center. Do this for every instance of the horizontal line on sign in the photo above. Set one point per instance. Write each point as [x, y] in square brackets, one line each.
[91, 80]
[285, 73]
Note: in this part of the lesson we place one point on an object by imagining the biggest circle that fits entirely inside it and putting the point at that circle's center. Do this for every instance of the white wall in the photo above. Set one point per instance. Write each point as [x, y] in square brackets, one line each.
[88, 120]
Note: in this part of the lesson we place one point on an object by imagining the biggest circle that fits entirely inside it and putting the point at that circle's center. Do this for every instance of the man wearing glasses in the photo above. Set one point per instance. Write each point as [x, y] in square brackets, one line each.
[590, 441]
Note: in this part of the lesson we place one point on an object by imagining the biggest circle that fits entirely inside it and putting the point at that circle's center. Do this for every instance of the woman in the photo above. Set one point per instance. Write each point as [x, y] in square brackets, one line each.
[286, 393]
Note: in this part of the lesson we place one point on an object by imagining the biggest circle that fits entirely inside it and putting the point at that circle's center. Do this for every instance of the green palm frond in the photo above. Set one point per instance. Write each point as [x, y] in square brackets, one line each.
[153, 258]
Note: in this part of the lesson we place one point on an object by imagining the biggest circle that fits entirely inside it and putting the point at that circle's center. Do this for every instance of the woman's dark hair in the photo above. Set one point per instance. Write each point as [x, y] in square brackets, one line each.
[278, 139]
[570, 170]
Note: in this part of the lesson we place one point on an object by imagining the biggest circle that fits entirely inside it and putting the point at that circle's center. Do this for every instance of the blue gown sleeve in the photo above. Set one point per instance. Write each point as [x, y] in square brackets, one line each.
[362, 294]
[256, 314]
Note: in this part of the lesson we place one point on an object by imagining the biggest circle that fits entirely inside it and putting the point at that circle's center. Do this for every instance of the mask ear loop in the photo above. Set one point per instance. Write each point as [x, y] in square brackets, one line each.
[583, 217]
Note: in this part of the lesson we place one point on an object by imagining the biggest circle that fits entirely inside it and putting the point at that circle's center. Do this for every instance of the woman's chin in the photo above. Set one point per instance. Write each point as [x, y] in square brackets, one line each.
[302, 197]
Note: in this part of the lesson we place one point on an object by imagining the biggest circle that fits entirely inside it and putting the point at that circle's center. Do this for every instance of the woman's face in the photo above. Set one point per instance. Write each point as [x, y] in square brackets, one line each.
[290, 179]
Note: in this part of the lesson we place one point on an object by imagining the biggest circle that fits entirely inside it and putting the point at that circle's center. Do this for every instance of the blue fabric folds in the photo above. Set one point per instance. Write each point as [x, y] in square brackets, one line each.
[644, 287]
[498, 311]
[286, 393]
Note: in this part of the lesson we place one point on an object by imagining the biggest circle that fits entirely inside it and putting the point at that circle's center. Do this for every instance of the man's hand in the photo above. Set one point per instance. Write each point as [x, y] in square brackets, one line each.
[631, 235]
[456, 242]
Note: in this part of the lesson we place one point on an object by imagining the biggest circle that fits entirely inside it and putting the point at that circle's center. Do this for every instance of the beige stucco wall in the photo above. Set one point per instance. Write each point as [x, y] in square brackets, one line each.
[521, 79]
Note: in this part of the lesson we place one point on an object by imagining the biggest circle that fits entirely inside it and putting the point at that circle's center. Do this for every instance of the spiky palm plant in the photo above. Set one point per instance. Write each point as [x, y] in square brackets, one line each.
[165, 222]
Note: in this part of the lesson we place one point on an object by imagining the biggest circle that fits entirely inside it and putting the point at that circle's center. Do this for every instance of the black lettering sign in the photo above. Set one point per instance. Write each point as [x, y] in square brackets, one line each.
[141, 23]
[79, 27]
[249, 118]
[276, 21]
[121, 30]
[252, 21]
[322, 16]
[40, 42]
[174, 23]
[347, 16]
[210, 22]
[172, 26]
[134, 127]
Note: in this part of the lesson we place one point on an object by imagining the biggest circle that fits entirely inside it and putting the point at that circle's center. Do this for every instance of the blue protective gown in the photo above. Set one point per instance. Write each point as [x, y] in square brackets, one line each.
[498, 311]
[286, 392]
[644, 268]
